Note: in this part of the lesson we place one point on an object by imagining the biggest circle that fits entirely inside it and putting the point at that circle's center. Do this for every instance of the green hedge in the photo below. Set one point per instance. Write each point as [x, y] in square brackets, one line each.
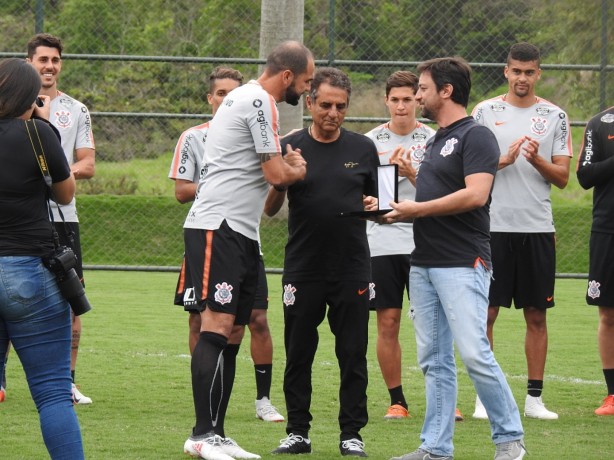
[147, 230]
[131, 230]
[573, 227]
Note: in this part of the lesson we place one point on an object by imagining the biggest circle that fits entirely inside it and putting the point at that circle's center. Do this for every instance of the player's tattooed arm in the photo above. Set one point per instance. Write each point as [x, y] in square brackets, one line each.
[264, 157]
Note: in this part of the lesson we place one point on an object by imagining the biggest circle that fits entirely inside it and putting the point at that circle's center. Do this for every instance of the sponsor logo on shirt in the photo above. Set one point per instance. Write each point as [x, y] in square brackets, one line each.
[478, 114]
[608, 118]
[419, 137]
[350, 165]
[588, 147]
[383, 137]
[449, 147]
[88, 125]
[542, 110]
[496, 107]
[67, 101]
[185, 148]
[563, 131]
[261, 119]
[203, 171]
[257, 103]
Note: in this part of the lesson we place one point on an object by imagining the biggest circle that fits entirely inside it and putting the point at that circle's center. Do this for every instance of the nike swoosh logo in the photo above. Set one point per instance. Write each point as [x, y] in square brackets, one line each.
[610, 137]
[499, 123]
[362, 291]
[549, 299]
[261, 371]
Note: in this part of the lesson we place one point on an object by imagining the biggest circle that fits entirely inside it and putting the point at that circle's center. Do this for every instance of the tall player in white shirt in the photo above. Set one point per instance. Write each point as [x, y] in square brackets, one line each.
[185, 171]
[242, 156]
[401, 140]
[535, 144]
[72, 119]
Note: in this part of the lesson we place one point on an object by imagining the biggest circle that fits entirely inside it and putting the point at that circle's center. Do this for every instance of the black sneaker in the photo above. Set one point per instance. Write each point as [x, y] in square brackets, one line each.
[353, 447]
[294, 444]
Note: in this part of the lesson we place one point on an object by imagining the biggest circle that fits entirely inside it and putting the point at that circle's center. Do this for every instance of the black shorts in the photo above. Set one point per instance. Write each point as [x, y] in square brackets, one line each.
[390, 276]
[69, 236]
[261, 301]
[219, 272]
[600, 291]
[524, 268]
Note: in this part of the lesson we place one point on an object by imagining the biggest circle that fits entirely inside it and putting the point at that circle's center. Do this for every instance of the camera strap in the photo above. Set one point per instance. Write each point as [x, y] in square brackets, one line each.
[44, 168]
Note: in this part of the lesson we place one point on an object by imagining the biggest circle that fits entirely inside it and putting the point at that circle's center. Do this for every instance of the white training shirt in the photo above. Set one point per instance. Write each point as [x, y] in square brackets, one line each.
[72, 119]
[521, 196]
[233, 187]
[397, 238]
[188, 157]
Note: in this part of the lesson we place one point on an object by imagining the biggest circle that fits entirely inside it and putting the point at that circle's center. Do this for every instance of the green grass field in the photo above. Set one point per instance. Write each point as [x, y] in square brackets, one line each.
[134, 363]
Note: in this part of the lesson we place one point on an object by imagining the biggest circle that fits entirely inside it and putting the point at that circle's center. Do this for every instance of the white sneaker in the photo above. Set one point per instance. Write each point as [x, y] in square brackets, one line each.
[267, 412]
[512, 450]
[78, 397]
[209, 448]
[480, 410]
[230, 447]
[534, 408]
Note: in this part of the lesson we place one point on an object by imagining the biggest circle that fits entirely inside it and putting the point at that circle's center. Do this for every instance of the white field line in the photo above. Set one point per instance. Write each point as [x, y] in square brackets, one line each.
[373, 367]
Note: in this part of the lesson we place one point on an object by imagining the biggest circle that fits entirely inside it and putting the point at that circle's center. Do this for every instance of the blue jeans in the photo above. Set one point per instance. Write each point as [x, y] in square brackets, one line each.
[450, 307]
[35, 318]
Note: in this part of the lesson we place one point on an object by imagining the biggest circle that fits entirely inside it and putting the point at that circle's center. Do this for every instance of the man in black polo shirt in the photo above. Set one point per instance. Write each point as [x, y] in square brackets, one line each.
[451, 267]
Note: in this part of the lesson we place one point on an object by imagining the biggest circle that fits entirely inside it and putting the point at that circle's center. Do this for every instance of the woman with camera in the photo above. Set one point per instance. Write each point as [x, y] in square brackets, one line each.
[34, 316]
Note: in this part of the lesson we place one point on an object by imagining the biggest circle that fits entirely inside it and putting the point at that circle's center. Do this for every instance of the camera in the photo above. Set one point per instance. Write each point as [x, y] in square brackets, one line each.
[40, 102]
[62, 264]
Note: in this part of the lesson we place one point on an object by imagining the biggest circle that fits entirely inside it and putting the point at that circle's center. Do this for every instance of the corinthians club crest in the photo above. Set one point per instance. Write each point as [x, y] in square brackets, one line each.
[593, 289]
[289, 297]
[223, 293]
[63, 119]
[449, 147]
[538, 125]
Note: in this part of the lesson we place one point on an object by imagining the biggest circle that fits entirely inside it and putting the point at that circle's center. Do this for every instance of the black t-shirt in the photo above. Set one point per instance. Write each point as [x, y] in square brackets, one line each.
[25, 229]
[596, 168]
[321, 244]
[459, 150]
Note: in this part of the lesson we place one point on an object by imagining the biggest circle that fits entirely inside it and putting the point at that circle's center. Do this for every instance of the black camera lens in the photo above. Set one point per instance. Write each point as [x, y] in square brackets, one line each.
[72, 290]
[40, 102]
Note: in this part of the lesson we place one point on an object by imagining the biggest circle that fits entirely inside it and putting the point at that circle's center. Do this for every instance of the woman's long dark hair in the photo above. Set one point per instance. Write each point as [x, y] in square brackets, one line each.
[20, 84]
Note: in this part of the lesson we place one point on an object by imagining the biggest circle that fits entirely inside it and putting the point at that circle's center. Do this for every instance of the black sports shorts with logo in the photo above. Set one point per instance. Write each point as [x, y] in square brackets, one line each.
[390, 276]
[219, 272]
[600, 290]
[524, 266]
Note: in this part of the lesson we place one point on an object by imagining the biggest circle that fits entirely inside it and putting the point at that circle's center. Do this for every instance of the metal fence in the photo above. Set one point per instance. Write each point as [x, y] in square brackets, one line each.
[142, 73]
